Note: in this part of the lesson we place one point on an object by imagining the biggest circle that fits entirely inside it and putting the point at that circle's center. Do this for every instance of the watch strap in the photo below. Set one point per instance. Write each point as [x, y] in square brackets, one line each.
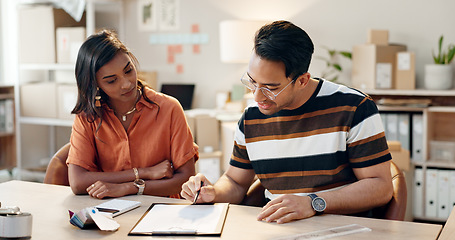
[140, 184]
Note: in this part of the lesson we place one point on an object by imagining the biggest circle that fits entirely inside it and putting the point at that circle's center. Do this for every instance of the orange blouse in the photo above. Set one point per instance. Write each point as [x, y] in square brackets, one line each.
[157, 132]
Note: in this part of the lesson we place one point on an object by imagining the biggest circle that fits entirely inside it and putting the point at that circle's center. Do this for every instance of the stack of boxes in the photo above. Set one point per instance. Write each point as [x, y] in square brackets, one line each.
[205, 128]
[379, 64]
[49, 36]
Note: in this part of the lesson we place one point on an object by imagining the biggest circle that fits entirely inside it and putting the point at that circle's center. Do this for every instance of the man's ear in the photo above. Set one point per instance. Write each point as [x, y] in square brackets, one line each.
[303, 79]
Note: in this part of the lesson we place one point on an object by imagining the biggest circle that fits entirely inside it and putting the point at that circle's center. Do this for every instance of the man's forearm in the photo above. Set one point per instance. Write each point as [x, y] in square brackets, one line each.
[359, 196]
[227, 190]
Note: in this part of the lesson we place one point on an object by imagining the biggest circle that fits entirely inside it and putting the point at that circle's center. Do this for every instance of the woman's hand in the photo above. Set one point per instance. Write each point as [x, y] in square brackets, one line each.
[101, 189]
[161, 170]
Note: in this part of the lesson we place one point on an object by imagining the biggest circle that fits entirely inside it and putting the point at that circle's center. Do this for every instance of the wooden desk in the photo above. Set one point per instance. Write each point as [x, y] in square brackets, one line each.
[448, 231]
[49, 205]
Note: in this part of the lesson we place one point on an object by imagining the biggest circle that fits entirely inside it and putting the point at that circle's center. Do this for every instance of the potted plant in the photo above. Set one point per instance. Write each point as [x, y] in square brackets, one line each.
[438, 76]
[333, 68]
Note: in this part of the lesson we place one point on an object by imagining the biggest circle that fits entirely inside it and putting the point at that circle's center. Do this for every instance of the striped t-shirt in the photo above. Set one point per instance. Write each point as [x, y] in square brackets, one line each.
[314, 147]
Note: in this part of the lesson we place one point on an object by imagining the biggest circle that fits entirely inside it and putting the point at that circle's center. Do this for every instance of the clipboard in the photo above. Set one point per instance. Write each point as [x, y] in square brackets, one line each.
[182, 220]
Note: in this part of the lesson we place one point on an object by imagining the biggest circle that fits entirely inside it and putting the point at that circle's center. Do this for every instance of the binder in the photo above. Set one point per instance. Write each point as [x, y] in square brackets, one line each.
[443, 194]
[392, 127]
[431, 193]
[417, 193]
[452, 189]
[9, 116]
[384, 123]
[417, 137]
[403, 130]
[2, 116]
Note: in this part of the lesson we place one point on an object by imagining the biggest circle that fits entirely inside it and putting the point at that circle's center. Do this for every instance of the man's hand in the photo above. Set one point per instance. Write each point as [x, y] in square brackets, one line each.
[286, 208]
[190, 188]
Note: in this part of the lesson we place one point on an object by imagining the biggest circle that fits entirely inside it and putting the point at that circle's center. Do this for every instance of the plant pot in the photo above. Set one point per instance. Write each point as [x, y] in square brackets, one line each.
[438, 76]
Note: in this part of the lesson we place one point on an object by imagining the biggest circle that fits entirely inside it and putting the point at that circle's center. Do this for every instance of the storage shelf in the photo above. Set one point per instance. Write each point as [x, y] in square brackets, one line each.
[5, 134]
[6, 95]
[46, 121]
[440, 164]
[416, 92]
[430, 219]
[400, 108]
[47, 66]
[445, 109]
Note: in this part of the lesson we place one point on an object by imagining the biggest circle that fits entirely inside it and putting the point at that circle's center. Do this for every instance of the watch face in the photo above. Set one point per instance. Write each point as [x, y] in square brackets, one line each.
[318, 204]
[139, 182]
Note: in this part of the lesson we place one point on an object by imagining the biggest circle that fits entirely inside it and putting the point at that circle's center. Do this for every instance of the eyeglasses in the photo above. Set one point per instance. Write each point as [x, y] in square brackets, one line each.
[248, 82]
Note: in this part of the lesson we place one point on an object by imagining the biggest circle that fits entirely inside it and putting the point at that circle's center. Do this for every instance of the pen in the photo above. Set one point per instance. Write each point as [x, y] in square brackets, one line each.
[197, 193]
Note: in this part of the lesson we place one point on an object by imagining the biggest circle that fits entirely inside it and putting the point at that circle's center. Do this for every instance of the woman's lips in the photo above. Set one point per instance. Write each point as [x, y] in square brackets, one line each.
[128, 93]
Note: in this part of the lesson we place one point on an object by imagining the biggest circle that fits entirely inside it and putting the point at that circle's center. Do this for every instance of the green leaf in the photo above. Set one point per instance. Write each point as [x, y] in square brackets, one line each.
[440, 47]
[337, 66]
[346, 54]
[334, 79]
[450, 54]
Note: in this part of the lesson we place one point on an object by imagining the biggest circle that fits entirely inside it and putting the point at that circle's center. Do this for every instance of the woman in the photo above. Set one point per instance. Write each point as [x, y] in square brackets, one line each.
[126, 138]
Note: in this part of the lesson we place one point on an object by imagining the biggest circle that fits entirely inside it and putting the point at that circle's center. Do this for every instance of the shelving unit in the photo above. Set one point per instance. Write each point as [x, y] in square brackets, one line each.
[437, 124]
[52, 131]
[7, 139]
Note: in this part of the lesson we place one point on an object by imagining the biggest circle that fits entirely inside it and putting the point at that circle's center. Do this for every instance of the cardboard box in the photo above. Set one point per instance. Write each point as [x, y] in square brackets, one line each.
[36, 34]
[374, 66]
[39, 100]
[150, 78]
[65, 76]
[400, 156]
[406, 75]
[191, 120]
[227, 142]
[37, 27]
[66, 100]
[207, 133]
[442, 150]
[209, 164]
[69, 40]
[378, 37]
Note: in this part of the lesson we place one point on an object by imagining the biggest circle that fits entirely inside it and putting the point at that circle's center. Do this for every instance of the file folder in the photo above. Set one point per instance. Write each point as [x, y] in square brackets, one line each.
[417, 195]
[417, 137]
[431, 193]
[443, 194]
[403, 130]
[452, 189]
[392, 127]
[384, 123]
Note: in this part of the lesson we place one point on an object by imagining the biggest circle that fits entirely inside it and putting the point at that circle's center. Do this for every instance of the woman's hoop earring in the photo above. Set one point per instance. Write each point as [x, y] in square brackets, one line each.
[97, 98]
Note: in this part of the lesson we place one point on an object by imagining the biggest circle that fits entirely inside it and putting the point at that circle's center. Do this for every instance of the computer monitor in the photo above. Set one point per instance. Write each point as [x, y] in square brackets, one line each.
[183, 92]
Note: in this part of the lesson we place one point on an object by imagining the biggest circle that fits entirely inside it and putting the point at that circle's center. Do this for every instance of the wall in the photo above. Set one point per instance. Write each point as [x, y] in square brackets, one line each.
[332, 23]
[1, 43]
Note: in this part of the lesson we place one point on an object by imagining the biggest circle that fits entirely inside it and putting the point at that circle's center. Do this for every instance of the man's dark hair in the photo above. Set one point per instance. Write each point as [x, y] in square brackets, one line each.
[284, 42]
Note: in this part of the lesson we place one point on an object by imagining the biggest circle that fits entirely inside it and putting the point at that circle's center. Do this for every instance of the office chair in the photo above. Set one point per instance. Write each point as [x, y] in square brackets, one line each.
[57, 170]
[395, 209]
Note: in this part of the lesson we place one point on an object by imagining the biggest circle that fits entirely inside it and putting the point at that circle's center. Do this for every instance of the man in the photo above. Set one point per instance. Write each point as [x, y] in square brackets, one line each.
[316, 146]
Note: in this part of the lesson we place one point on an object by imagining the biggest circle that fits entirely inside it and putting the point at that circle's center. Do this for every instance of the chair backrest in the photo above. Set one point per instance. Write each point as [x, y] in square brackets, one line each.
[395, 209]
[57, 170]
